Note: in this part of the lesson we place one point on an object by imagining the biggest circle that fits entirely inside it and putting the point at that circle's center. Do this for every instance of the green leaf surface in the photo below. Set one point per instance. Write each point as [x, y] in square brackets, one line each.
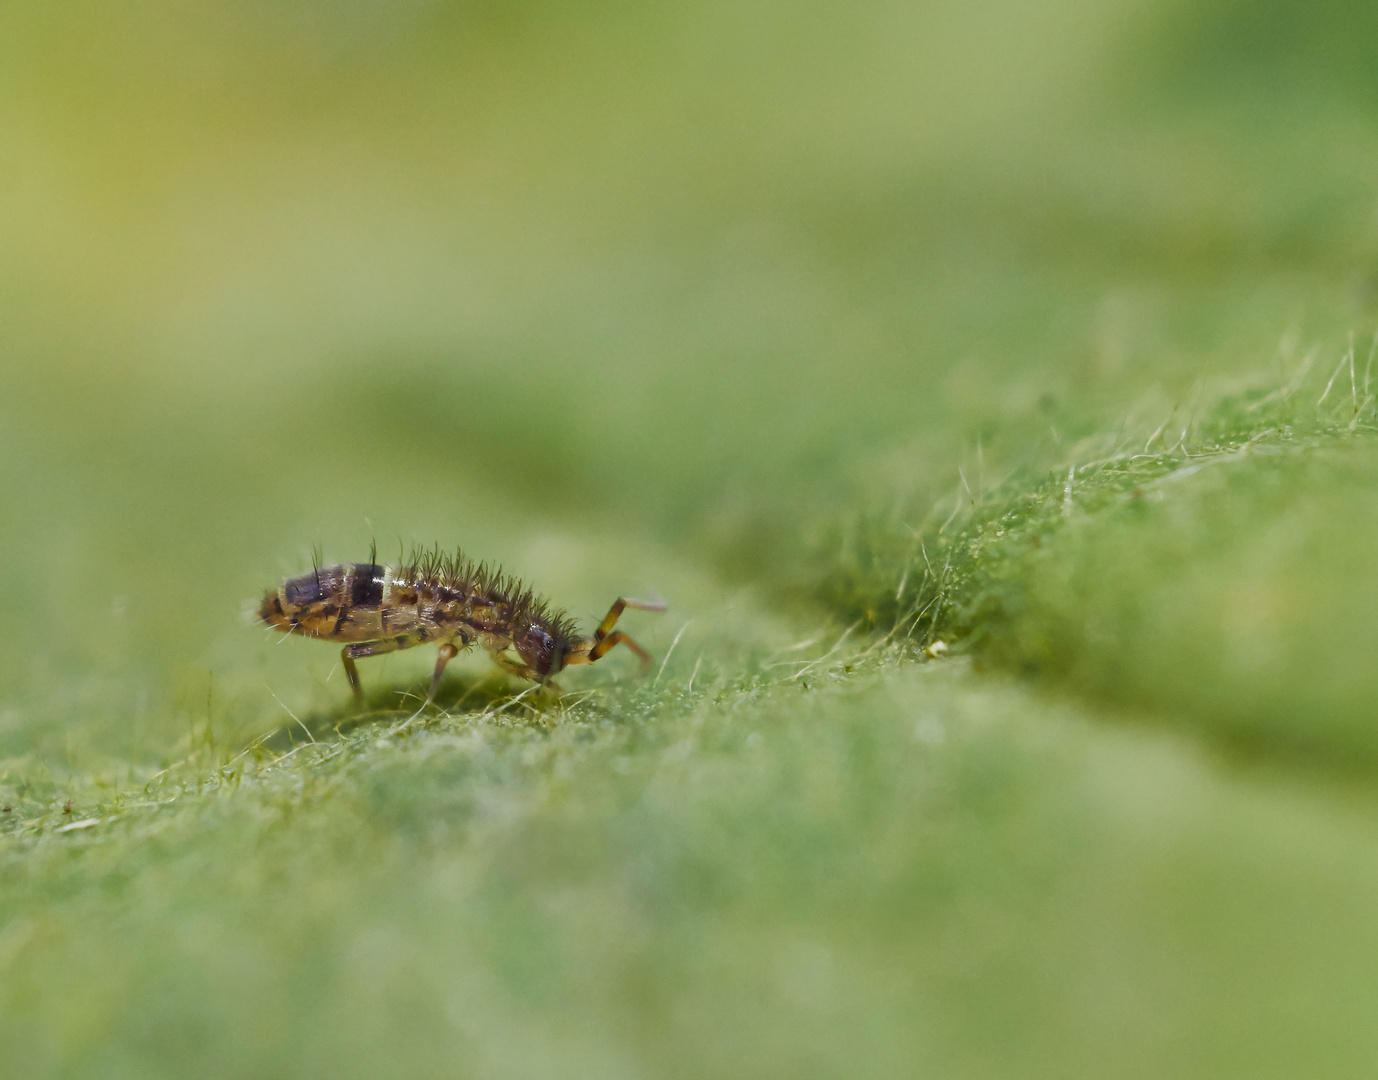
[987, 388]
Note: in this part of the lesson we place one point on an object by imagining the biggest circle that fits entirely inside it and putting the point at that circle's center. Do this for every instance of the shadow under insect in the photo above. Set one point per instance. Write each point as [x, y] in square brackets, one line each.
[458, 695]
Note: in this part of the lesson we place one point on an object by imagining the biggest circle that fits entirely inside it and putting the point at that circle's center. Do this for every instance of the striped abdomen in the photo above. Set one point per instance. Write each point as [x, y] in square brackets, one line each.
[343, 603]
[368, 602]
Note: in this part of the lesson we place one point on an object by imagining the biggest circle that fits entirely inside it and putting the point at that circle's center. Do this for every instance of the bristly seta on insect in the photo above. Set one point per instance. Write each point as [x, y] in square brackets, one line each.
[439, 597]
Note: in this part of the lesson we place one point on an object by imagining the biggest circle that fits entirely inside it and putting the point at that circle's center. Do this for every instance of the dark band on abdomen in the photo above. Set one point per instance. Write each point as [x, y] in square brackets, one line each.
[366, 587]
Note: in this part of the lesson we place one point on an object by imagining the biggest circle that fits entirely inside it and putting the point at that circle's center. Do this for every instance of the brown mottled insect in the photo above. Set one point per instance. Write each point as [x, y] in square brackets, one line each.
[442, 598]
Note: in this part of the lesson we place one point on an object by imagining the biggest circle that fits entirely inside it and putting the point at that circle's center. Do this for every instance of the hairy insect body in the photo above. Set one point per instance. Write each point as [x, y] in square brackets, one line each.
[367, 602]
[377, 609]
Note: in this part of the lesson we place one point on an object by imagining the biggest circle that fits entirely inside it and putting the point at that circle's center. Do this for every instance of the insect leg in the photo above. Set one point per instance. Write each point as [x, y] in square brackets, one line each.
[360, 649]
[447, 653]
[619, 638]
[618, 606]
[515, 667]
[351, 673]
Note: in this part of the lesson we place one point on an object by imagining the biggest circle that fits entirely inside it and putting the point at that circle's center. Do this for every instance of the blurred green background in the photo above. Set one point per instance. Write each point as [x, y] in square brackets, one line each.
[797, 314]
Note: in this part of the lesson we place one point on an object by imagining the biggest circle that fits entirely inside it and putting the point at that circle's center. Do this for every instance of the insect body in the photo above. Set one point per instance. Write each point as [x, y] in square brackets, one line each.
[444, 599]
